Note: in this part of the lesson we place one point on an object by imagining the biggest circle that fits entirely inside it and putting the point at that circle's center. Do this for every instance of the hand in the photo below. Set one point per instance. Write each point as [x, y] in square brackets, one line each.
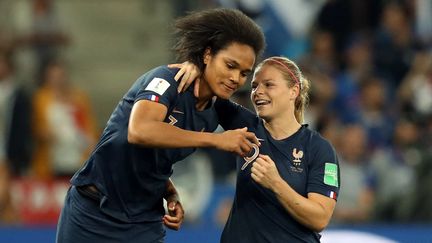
[238, 141]
[188, 73]
[175, 216]
[264, 171]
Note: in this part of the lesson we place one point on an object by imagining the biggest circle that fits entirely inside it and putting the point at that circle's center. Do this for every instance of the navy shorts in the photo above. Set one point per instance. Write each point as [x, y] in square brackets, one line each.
[82, 221]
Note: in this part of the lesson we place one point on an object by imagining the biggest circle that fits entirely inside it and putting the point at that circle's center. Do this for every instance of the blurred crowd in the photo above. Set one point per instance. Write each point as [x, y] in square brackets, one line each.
[370, 64]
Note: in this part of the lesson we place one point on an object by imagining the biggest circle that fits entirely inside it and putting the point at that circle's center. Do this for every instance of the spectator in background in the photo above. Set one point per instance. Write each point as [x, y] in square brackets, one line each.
[40, 35]
[374, 113]
[15, 113]
[320, 112]
[394, 167]
[64, 125]
[422, 152]
[358, 65]
[356, 198]
[322, 56]
[415, 92]
[423, 9]
[342, 17]
[15, 134]
[394, 44]
[8, 214]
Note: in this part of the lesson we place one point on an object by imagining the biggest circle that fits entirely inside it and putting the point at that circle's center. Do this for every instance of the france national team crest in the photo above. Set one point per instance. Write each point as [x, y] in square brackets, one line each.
[298, 155]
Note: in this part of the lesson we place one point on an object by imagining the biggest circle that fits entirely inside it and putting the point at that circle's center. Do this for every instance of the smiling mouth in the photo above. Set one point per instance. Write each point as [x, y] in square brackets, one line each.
[229, 87]
[261, 103]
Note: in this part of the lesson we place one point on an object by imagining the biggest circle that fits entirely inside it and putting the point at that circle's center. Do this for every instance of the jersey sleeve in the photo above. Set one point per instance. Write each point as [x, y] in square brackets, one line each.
[324, 173]
[232, 115]
[158, 86]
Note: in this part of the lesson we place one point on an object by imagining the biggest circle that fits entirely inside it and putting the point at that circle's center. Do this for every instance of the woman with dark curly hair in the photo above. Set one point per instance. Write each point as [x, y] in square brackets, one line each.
[117, 196]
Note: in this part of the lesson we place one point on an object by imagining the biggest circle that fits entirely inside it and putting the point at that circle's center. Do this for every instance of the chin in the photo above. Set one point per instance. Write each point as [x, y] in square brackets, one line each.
[261, 114]
[224, 95]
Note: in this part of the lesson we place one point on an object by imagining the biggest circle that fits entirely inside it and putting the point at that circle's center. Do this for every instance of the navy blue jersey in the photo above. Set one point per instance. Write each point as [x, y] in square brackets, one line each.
[132, 178]
[305, 160]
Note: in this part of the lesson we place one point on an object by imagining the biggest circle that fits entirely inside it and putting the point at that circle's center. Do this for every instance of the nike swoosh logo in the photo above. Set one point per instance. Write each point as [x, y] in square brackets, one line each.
[177, 111]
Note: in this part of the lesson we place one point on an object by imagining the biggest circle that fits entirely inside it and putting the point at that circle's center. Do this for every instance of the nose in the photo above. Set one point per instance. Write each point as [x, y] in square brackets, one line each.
[259, 89]
[235, 76]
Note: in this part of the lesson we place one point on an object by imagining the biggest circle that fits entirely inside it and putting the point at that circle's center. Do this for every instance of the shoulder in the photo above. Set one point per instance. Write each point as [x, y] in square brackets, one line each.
[161, 73]
[317, 142]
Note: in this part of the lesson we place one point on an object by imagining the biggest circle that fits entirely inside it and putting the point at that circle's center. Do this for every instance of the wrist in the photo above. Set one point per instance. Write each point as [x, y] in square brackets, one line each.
[212, 140]
[278, 185]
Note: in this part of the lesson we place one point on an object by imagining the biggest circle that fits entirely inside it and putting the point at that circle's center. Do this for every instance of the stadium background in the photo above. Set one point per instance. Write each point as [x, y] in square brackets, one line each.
[344, 48]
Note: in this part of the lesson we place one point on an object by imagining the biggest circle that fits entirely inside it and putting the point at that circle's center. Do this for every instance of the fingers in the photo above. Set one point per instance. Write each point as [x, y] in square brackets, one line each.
[247, 143]
[170, 223]
[184, 82]
[256, 172]
[180, 72]
[171, 208]
[174, 218]
[175, 65]
[264, 159]
[196, 87]
[251, 137]
[258, 166]
[245, 148]
[186, 75]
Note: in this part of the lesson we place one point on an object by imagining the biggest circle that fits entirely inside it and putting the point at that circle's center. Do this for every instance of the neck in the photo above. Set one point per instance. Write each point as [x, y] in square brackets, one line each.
[205, 95]
[282, 128]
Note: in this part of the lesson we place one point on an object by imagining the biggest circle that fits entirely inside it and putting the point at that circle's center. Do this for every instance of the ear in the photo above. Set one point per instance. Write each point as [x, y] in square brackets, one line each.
[207, 55]
[295, 91]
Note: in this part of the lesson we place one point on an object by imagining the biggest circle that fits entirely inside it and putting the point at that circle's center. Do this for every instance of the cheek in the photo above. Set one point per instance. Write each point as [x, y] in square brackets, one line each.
[214, 72]
[242, 81]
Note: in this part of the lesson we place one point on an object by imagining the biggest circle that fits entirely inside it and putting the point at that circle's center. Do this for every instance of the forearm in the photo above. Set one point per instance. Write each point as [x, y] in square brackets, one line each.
[163, 135]
[307, 212]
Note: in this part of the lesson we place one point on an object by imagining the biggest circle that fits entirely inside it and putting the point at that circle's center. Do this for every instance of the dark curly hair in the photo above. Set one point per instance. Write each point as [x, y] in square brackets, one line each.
[215, 29]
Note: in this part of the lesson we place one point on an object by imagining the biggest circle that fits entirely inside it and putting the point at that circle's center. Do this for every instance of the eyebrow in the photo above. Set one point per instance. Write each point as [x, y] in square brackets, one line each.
[262, 81]
[236, 64]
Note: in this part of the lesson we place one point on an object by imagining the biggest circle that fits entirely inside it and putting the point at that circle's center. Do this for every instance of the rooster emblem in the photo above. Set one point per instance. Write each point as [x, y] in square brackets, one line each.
[297, 156]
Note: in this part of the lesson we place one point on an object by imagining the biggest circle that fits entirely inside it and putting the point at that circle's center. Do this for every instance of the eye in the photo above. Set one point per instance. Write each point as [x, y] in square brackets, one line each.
[230, 65]
[268, 84]
[254, 86]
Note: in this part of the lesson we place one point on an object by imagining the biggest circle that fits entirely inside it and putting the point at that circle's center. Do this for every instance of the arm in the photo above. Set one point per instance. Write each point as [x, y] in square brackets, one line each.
[146, 126]
[231, 115]
[313, 211]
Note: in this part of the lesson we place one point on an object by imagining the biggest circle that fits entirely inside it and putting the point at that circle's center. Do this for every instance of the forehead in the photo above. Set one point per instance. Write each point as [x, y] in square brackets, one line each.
[267, 72]
[243, 54]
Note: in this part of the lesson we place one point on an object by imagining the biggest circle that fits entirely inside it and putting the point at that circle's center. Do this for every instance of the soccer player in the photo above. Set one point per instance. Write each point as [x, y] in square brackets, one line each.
[117, 196]
[286, 190]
